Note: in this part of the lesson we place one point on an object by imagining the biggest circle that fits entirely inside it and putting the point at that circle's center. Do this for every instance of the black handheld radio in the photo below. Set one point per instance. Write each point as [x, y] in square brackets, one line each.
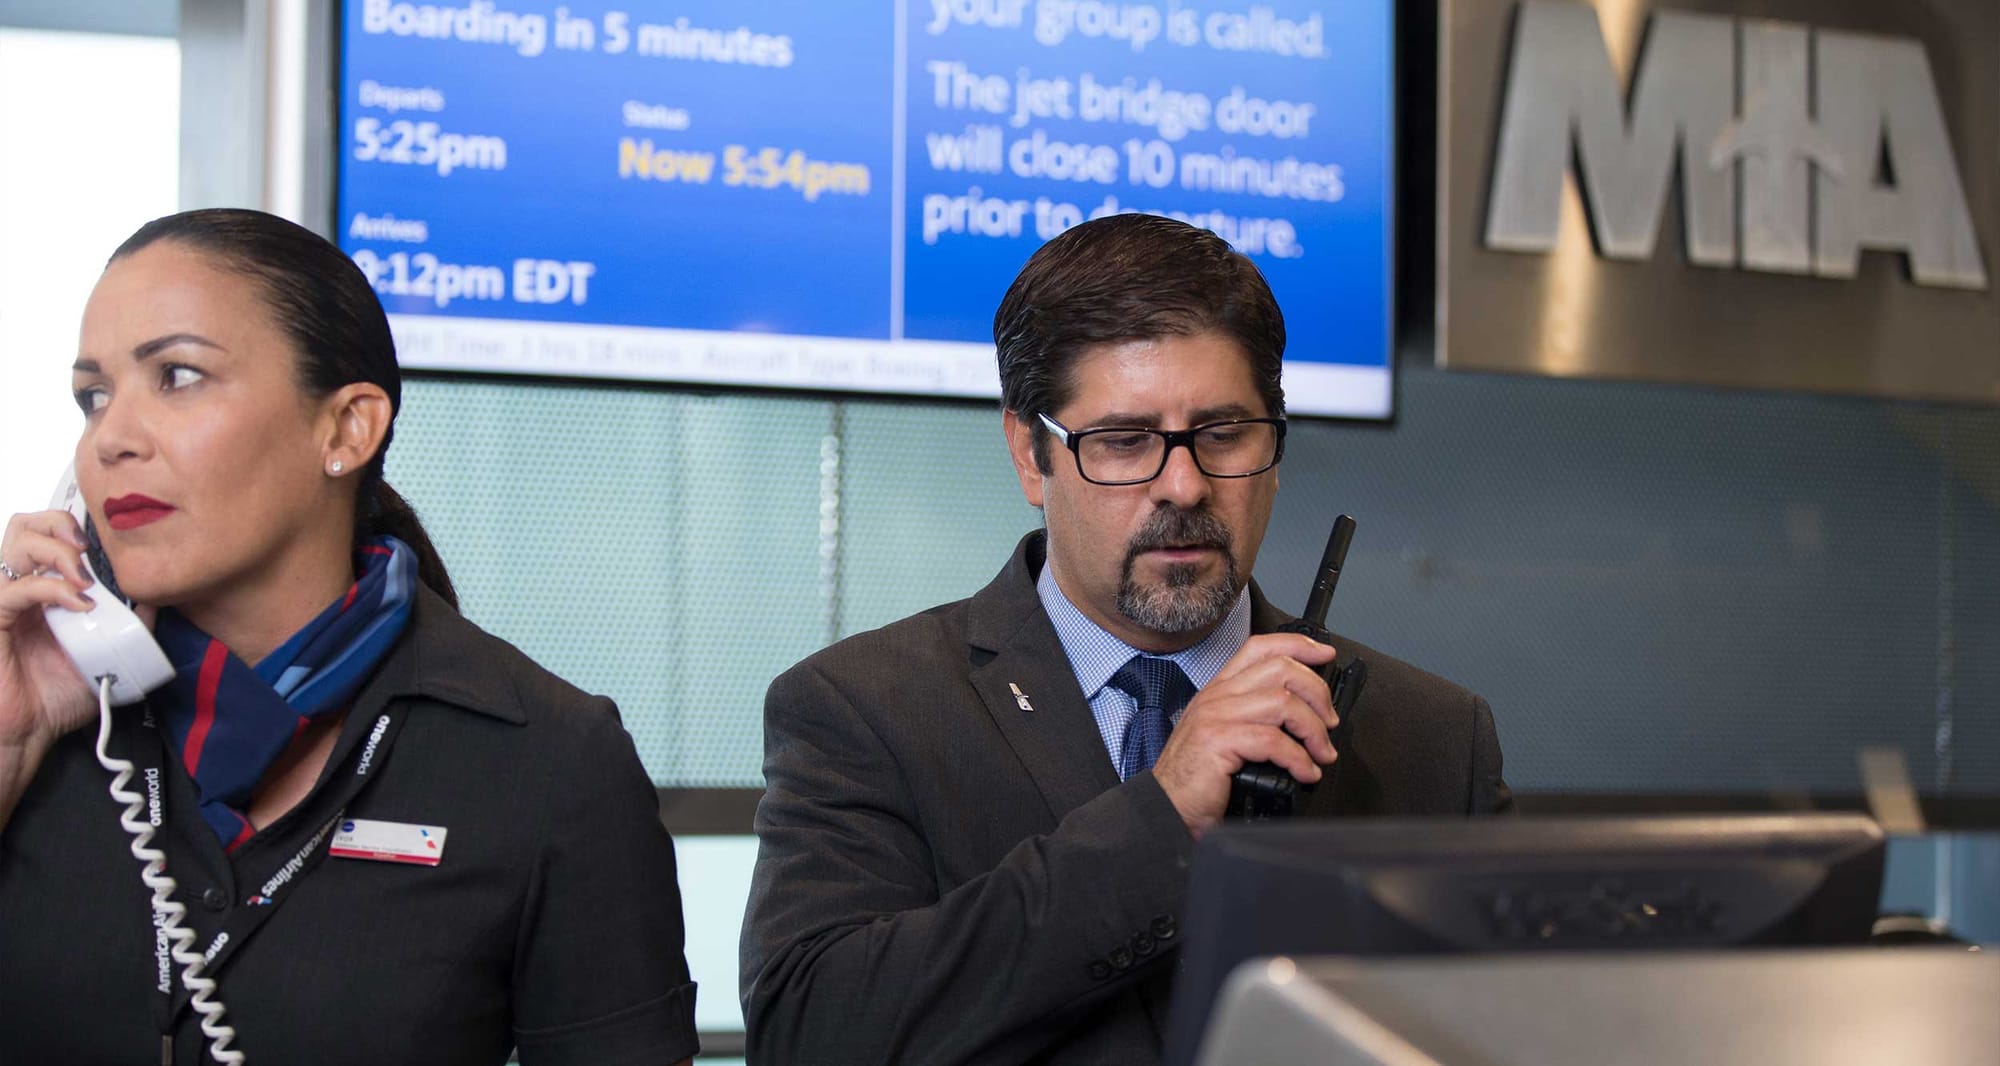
[1263, 791]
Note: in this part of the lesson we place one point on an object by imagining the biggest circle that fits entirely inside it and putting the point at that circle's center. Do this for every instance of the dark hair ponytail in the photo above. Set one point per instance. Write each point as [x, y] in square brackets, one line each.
[384, 512]
[325, 305]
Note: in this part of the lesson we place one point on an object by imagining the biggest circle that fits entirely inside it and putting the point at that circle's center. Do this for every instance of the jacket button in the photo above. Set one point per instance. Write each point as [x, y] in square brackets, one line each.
[1099, 969]
[1121, 958]
[1142, 945]
[1164, 927]
[215, 899]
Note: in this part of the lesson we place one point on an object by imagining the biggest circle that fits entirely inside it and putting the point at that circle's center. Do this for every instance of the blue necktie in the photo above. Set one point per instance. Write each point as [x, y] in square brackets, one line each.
[1161, 690]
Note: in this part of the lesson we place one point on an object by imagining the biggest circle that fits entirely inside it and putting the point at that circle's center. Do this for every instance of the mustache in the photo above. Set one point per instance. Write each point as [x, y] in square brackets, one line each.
[1172, 527]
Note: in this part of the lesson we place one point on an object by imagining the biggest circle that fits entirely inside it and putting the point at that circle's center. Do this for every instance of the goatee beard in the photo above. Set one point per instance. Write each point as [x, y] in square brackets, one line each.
[1181, 602]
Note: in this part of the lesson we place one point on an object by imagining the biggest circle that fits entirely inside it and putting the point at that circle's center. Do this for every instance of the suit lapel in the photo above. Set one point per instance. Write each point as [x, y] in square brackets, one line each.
[1014, 646]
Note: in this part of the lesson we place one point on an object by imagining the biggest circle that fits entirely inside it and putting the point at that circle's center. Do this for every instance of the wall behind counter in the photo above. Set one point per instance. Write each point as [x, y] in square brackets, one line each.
[1659, 588]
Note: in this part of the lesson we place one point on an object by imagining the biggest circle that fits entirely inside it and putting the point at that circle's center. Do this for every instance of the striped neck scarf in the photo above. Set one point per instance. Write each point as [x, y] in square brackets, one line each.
[228, 722]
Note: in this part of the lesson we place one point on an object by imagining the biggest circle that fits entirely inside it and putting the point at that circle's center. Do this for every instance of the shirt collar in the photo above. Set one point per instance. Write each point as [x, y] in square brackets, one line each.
[1094, 654]
[444, 657]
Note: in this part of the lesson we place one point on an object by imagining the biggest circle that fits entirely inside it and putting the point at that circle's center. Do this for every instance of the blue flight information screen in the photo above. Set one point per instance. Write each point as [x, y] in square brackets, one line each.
[836, 195]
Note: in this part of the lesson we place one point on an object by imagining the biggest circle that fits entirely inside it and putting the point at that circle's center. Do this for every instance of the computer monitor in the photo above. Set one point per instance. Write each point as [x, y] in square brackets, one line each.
[1429, 886]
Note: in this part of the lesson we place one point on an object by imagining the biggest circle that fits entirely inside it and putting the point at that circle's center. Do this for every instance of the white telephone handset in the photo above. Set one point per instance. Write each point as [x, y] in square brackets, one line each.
[109, 641]
[116, 652]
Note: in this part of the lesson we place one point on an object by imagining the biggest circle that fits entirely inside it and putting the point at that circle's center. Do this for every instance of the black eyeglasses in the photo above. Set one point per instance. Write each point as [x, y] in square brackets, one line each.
[1118, 455]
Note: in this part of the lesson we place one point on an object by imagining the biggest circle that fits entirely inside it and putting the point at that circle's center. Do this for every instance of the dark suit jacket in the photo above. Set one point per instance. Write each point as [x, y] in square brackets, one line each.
[944, 876]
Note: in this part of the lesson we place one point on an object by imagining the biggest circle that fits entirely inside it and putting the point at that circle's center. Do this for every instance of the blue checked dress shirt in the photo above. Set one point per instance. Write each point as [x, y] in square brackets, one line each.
[1096, 655]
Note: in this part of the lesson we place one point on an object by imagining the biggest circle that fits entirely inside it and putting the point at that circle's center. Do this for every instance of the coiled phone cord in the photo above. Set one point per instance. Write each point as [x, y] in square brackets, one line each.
[167, 912]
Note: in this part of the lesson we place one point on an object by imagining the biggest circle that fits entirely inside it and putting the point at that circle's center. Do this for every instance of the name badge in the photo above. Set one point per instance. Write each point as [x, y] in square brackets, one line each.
[359, 838]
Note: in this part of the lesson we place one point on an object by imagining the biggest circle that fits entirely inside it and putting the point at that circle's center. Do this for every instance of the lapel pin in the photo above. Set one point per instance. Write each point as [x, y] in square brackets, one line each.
[1020, 698]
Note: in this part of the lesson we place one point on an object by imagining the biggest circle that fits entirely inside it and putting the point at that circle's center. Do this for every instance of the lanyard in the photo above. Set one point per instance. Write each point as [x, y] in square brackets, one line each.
[265, 886]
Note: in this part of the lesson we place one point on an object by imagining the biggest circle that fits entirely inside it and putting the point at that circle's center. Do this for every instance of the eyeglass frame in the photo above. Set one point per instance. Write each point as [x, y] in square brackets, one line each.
[1175, 438]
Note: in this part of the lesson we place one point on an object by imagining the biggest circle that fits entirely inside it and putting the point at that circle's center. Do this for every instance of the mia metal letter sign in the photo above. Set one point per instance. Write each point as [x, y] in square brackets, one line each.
[1830, 165]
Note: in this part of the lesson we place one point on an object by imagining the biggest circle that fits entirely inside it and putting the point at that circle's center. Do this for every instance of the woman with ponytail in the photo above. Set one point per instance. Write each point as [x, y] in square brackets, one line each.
[395, 838]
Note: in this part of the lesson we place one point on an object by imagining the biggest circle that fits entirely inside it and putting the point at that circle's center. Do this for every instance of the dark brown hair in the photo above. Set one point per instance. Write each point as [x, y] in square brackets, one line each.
[1128, 277]
[325, 305]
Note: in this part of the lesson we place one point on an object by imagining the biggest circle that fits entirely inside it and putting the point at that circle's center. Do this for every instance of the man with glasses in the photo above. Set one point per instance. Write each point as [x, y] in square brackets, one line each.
[975, 834]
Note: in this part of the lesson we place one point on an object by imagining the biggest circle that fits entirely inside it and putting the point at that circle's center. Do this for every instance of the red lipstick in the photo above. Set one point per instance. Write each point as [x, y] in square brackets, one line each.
[131, 512]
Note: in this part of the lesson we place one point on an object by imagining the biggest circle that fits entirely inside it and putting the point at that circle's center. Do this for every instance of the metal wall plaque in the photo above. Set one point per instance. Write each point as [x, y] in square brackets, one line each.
[1765, 193]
